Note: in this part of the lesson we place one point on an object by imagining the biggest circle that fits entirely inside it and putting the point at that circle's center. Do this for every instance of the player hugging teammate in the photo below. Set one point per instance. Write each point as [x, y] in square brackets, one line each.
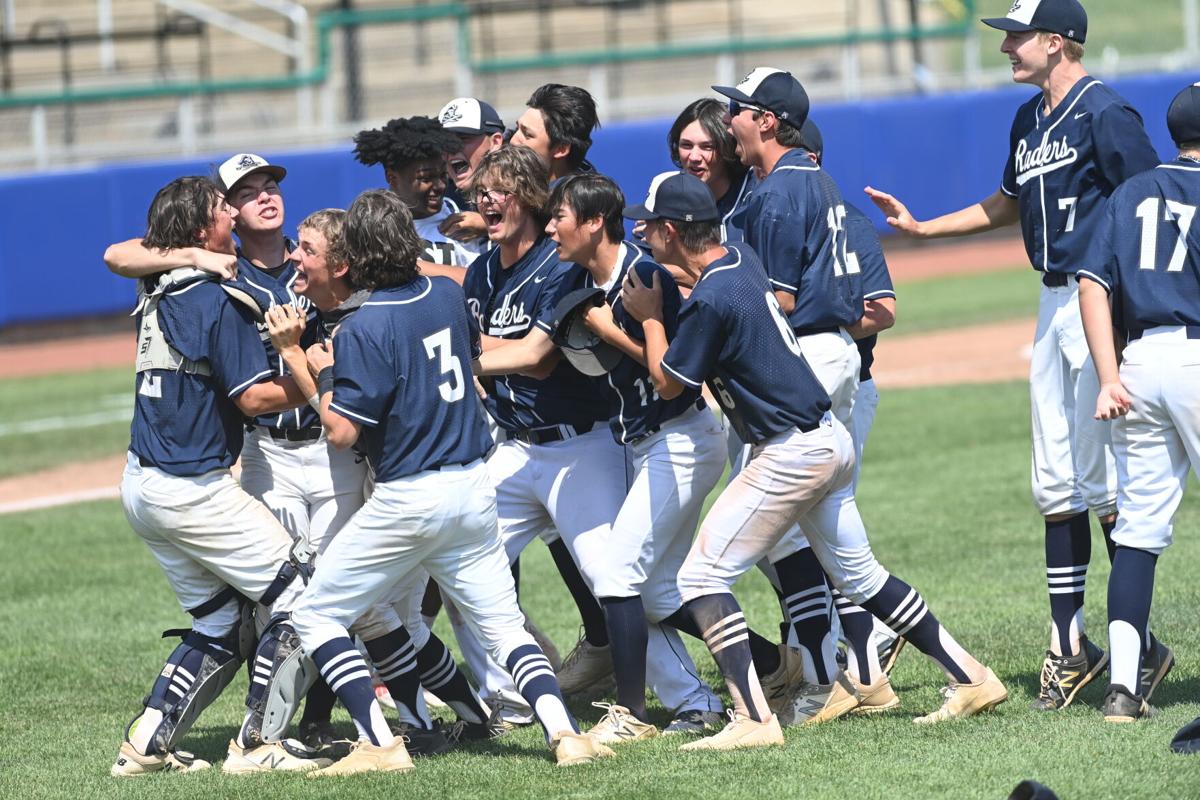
[469, 375]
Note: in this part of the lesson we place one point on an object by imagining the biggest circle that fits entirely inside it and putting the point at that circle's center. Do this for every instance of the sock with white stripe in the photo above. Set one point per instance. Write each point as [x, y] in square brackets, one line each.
[901, 608]
[537, 683]
[808, 605]
[395, 661]
[440, 675]
[723, 627]
[343, 668]
[862, 659]
[764, 652]
[1068, 551]
[1130, 590]
[629, 634]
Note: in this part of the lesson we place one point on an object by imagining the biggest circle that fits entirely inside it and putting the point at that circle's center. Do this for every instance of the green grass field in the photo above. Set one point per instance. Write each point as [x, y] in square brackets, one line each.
[960, 300]
[945, 495]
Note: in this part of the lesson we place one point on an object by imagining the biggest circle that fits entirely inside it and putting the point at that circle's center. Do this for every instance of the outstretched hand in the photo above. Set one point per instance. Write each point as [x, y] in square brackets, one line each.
[895, 211]
[641, 301]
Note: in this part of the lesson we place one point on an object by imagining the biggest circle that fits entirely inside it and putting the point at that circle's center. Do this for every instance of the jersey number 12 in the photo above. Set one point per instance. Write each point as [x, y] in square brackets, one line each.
[1179, 213]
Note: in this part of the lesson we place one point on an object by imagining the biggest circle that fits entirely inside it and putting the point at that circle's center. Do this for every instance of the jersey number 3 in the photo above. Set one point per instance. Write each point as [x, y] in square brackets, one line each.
[1179, 213]
[437, 346]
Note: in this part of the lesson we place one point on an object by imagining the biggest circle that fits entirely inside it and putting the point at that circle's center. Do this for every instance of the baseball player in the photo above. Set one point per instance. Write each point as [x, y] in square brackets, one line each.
[405, 355]
[1071, 145]
[200, 367]
[794, 218]
[1147, 261]
[559, 473]
[413, 153]
[733, 333]
[699, 143]
[480, 130]
[558, 126]
[675, 449]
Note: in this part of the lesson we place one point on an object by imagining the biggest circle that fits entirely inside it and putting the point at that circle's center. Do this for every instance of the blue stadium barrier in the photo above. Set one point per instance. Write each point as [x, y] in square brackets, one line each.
[937, 153]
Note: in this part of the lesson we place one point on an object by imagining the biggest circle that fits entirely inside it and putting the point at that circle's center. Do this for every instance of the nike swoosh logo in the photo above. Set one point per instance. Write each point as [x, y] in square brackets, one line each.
[539, 280]
[1082, 114]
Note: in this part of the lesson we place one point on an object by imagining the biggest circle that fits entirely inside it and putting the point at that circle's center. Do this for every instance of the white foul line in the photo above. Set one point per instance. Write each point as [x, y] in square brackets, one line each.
[104, 493]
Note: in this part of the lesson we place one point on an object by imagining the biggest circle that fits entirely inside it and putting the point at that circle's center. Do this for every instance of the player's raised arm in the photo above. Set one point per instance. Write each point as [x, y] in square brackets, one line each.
[994, 211]
[341, 431]
[132, 259]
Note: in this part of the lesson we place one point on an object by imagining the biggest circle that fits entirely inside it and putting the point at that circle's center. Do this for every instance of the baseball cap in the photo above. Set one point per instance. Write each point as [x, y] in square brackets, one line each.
[1064, 17]
[243, 164]
[1183, 115]
[773, 89]
[586, 351]
[471, 116]
[814, 143]
[676, 195]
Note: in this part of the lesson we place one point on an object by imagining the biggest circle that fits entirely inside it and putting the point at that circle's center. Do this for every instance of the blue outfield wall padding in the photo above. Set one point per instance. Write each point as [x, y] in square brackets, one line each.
[937, 153]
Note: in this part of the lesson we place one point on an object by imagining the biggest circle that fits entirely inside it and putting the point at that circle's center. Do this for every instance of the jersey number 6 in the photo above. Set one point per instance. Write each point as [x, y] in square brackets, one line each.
[437, 346]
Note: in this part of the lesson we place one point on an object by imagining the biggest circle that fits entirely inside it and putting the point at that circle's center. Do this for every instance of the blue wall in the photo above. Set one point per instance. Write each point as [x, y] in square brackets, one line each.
[936, 153]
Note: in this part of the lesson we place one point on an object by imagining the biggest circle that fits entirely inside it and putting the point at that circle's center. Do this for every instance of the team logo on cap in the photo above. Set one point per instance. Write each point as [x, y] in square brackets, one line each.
[1015, 6]
[247, 162]
[451, 113]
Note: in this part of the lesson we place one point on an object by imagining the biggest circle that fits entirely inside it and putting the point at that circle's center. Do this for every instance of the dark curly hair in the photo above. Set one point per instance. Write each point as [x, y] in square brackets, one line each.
[382, 246]
[180, 211]
[403, 141]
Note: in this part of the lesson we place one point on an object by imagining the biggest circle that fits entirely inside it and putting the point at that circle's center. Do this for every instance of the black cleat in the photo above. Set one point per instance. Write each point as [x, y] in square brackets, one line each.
[1064, 676]
[1120, 705]
[1155, 665]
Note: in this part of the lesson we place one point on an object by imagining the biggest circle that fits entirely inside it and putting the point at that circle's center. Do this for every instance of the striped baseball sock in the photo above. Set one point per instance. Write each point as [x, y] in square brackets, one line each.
[901, 608]
[537, 684]
[862, 659]
[1068, 551]
[724, 630]
[629, 634]
[343, 668]
[395, 660]
[808, 606]
[764, 652]
[1130, 590]
[440, 675]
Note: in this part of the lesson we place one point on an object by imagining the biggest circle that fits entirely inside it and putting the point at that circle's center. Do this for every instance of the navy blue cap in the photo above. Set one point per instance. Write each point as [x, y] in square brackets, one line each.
[810, 136]
[1183, 115]
[679, 196]
[470, 116]
[773, 89]
[1064, 17]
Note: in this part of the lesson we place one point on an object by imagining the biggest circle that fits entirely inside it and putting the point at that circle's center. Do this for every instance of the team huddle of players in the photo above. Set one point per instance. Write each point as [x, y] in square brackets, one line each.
[422, 384]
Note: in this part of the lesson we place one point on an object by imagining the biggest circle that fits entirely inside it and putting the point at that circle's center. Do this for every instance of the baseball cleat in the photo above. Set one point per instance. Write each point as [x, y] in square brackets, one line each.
[964, 700]
[694, 721]
[544, 644]
[578, 748]
[130, 762]
[1155, 665]
[426, 741]
[811, 703]
[777, 687]
[584, 667]
[1064, 676]
[874, 697]
[1121, 705]
[741, 732]
[618, 726]
[286, 756]
[367, 757]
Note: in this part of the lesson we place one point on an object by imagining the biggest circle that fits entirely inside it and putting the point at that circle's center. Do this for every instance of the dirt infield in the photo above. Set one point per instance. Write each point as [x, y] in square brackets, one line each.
[977, 354]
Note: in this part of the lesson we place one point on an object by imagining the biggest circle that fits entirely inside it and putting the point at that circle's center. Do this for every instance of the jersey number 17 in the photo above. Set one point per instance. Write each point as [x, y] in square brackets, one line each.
[1179, 213]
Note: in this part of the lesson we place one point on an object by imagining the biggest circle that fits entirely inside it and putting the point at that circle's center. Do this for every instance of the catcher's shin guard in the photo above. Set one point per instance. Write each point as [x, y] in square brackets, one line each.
[194, 676]
[281, 676]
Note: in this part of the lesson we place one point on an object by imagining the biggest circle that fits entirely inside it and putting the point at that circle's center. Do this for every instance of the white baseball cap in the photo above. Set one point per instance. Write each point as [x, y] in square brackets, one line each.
[243, 164]
[470, 116]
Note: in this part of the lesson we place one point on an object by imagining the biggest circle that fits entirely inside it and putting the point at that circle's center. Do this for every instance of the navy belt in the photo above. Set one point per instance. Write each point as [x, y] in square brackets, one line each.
[699, 405]
[290, 435]
[1193, 332]
[814, 331]
[1055, 279]
[551, 434]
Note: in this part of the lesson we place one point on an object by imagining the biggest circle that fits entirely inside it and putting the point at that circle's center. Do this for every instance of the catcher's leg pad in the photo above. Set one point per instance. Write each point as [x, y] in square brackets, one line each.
[282, 670]
[180, 693]
[285, 689]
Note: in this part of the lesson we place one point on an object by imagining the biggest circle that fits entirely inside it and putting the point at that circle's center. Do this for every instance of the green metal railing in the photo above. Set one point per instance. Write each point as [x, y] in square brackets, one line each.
[328, 22]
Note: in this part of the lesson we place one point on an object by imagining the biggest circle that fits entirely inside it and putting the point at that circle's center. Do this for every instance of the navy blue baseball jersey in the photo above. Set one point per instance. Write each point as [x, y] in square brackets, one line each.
[637, 407]
[187, 424]
[271, 286]
[863, 248]
[732, 206]
[795, 221]
[1062, 167]
[733, 334]
[1152, 268]
[507, 304]
[402, 370]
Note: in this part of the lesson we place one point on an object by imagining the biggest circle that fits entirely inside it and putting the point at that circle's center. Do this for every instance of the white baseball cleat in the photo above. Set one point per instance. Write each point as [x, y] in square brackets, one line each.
[618, 726]
[740, 733]
[584, 667]
[812, 703]
[777, 687]
[286, 756]
[578, 748]
[367, 757]
[130, 762]
[967, 699]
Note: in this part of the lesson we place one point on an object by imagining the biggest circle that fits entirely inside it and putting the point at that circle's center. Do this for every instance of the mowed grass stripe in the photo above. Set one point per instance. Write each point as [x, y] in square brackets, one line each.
[945, 495]
[964, 300]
